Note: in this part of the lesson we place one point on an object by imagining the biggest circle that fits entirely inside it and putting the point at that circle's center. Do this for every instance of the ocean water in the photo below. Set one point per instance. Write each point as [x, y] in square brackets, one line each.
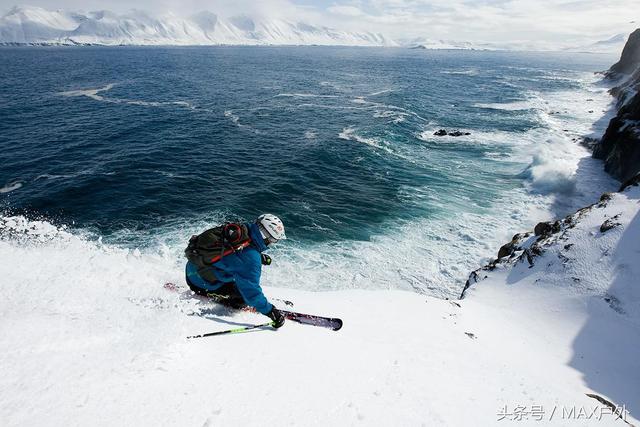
[131, 150]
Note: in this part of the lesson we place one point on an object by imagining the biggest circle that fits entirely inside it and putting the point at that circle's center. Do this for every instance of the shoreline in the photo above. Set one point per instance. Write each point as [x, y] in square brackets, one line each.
[613, 146]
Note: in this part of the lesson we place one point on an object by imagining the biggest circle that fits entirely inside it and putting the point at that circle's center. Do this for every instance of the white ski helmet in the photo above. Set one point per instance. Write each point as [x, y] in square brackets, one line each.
[271, 227]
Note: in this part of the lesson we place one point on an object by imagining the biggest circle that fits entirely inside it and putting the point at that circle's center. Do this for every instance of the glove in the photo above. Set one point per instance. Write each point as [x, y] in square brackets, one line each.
[266, 259]
[277, 317]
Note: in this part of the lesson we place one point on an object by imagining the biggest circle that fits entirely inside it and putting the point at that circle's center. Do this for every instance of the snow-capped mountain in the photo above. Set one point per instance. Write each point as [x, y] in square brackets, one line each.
[438, 44]
[34, 25]
[612, 44]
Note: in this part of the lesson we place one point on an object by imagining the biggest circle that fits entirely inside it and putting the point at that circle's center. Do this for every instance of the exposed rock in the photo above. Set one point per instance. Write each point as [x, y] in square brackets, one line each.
[542, 228]
[630, 58]
[536, 250]
[546, 228]
[443, 132]
[614, 303]
[505, 250]
[620, 145]
[609, 224]
[635, 181]
[606, 197]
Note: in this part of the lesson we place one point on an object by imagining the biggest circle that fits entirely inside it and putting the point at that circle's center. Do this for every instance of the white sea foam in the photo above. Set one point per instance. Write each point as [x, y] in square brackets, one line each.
[305, 95]
[394, 115]
[89, 93]
[558, 170]
[90, 171]
[94, 94]
[380, 92]
[507, 106]
[350, 134]
[233, 117]
[462, 72]
[12, 186]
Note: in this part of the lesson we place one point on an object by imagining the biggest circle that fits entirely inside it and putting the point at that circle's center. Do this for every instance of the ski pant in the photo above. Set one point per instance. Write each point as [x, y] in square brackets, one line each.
[227, 294]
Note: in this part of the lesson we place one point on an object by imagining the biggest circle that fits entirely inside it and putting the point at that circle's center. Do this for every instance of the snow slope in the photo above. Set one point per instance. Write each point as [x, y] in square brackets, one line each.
[34, 25]
[89, 337]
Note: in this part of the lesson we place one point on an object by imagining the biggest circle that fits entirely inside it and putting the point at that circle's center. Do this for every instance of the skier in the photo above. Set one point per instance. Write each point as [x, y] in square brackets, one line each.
[225, 263]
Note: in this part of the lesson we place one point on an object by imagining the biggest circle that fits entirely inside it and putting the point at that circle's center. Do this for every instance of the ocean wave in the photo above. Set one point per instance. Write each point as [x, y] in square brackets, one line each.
[349, 134]
[549, 173]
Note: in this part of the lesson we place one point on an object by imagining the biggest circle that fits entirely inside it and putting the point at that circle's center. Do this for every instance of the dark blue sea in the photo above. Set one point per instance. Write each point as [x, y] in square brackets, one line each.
[136, 148]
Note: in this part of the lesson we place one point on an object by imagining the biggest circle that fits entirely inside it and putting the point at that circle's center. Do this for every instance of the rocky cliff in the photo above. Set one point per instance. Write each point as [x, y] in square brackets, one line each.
[620, 145]
[630, 58]
[620, 150]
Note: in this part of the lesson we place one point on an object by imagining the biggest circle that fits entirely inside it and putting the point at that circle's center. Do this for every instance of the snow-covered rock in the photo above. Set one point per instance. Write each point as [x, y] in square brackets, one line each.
[34, 25]
[589, 263]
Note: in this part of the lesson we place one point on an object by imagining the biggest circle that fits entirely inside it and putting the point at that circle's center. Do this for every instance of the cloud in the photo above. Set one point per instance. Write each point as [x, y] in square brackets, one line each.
[540, 22]
[345, 10]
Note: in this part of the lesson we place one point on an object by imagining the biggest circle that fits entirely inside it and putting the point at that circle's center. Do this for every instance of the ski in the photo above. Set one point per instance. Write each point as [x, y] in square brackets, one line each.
[313, 320]
[332, 323]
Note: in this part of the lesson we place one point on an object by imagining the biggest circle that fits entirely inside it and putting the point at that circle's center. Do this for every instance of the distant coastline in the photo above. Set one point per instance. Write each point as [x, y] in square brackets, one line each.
[35, 26]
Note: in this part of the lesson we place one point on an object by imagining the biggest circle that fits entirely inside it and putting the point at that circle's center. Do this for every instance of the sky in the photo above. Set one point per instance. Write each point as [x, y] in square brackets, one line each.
[535, 22]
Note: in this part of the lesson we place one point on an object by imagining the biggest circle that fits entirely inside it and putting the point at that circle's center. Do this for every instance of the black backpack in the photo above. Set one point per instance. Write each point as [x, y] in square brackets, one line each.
[215, 243]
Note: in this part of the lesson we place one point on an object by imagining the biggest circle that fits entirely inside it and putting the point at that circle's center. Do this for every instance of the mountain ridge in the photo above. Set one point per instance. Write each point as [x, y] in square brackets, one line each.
[38, 26]
[30, 25]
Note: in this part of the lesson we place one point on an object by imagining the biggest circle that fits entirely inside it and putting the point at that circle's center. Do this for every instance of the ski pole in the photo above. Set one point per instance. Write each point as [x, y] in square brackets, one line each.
[233, 331]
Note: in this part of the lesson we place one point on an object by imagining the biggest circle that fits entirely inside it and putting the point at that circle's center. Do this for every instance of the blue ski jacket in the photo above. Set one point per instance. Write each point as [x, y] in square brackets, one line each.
[243, 267]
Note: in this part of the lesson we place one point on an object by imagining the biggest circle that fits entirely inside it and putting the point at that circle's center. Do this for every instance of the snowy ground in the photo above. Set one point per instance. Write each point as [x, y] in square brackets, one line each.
[109, 347]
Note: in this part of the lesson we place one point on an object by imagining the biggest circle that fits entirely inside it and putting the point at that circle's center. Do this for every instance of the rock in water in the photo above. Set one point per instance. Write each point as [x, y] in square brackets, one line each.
[443, 132]
[458, 133]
